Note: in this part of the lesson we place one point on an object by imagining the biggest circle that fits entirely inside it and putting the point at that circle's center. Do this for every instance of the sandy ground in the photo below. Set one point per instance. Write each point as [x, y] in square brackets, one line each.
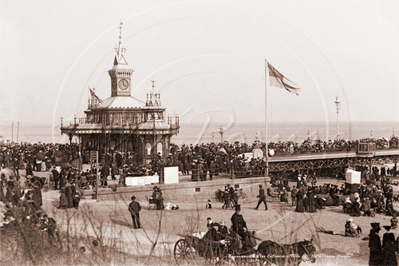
[280, 223]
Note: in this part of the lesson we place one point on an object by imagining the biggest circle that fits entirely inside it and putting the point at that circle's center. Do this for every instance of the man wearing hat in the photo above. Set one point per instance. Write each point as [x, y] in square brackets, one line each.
[134, 209]
[239, 226]
[375, 245]
[223, 230]
[262, 198]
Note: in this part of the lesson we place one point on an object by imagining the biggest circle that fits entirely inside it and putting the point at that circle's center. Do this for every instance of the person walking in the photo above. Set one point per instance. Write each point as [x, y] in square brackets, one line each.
[134, 209]
[262, 198]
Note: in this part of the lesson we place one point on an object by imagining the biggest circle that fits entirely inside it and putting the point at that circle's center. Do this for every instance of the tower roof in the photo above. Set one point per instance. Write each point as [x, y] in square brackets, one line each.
[154, 124]
[126, 102]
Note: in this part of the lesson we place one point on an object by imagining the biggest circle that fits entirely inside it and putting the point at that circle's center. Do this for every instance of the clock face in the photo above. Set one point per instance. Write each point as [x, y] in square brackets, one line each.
[123, 84]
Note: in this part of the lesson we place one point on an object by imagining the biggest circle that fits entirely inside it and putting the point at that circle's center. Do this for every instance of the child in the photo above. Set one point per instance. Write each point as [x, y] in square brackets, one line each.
[208, 205]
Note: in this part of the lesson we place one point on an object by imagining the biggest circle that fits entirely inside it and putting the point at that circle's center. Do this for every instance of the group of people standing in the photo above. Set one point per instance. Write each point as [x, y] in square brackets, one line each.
[385, 253]
[229, 197]
[70, 196]
[305, 198]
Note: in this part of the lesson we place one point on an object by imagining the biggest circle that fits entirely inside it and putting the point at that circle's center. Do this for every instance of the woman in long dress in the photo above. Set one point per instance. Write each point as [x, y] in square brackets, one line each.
[299, 201]
[356, 208]
[389, 248]
[390, 211]
[311, 199]
[376, 257]
[63, 199]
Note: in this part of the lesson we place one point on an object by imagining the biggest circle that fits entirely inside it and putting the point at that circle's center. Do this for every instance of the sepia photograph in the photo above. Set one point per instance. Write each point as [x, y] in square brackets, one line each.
[199, 132]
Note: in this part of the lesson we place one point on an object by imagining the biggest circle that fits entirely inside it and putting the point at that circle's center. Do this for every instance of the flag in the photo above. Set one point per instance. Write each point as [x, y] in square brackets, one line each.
[95, 97]
[278, 80]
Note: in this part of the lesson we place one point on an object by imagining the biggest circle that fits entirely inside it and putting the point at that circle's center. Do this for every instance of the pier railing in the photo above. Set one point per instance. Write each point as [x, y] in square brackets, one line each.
[126, 123]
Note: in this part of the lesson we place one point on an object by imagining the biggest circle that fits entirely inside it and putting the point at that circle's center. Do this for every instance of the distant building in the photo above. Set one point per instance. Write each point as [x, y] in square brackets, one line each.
[122, 122]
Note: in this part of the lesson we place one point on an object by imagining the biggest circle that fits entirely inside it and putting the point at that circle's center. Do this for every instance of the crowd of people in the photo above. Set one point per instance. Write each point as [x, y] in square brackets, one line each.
[200, 160]
[289, 147]
[24, 205]
[376, 196]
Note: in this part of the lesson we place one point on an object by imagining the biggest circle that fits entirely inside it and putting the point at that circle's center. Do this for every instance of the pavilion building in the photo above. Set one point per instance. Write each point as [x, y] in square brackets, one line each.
[122, 122]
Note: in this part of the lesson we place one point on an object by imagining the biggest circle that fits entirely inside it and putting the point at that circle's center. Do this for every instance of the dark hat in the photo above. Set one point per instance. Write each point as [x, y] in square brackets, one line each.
[238, 207]
[375, 225]
[387, 227]
[133, 197]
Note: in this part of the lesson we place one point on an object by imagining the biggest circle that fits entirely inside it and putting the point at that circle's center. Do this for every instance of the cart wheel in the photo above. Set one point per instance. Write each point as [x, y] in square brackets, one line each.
[182, 252]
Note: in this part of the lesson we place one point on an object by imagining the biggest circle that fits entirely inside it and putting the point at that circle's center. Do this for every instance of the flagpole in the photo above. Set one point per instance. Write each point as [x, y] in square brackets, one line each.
[267, 85]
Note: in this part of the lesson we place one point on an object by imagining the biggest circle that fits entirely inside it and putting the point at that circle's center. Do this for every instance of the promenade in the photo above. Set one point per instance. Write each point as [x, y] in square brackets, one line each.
[329, 155]
[111, 219]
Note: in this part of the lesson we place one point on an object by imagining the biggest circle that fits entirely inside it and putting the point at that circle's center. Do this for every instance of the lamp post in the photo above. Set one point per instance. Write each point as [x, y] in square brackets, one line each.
[337, 106]
[221, 134]
[213, 137]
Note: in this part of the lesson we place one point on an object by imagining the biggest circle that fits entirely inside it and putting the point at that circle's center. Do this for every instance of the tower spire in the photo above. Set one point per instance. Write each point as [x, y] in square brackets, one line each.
[153, 85]
[119, 58]
[120, 39]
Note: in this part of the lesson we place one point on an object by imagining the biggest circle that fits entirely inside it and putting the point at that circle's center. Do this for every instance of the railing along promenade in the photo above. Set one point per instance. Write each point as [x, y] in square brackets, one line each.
[332, 159]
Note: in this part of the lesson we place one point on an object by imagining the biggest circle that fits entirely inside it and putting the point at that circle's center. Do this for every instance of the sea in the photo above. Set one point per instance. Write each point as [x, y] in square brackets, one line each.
[193, 133]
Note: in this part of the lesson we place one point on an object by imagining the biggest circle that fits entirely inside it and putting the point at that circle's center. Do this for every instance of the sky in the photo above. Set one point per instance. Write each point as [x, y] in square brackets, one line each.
[207, 57]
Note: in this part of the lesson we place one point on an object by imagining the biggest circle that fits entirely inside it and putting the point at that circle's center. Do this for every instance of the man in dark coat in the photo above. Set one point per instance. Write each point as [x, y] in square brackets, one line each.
[16, 162]
[2, 183]
[262, 198]
[239, 225]
[375, 245]
[134, 209]
[37, 196]
[104, 173]
[28, 169]
[56, 178]
[157, 197]
[63, 178]
[68, 194]
[114, 171]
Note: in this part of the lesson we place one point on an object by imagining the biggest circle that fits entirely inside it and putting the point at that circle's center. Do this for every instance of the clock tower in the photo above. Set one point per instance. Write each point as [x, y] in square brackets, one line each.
[120, 73]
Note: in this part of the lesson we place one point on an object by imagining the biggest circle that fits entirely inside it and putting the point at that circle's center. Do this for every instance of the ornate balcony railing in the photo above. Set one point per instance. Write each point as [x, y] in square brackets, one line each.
[122, 122]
